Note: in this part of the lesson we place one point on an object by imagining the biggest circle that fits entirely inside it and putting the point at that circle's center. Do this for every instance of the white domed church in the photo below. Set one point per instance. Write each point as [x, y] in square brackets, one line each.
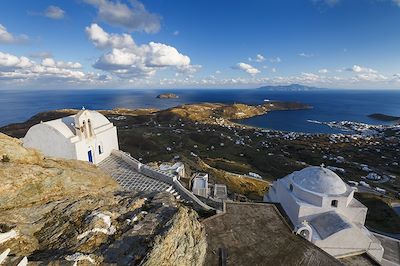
[323, 210]
[86, 136]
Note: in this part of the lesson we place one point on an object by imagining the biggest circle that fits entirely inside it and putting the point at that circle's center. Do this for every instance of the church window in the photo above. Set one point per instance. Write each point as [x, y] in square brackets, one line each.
[334, 203]
[100, 149]
[305, 233]
[90, 127]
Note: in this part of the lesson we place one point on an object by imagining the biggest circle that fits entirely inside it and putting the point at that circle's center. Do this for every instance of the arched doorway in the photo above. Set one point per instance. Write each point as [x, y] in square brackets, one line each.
[90, 155]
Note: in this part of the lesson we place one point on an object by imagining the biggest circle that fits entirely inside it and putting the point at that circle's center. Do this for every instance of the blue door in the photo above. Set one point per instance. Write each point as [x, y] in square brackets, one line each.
[90, 156]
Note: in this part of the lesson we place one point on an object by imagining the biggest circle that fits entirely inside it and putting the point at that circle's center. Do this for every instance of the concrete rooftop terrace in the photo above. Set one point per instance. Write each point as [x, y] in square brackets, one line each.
[257, 234]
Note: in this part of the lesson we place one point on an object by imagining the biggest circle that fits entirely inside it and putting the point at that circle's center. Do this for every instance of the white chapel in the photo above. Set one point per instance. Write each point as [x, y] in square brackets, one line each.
[323, 210]
[86, 136]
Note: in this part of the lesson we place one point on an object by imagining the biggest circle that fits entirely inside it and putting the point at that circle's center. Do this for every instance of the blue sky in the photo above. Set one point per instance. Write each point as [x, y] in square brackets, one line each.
[208, 43]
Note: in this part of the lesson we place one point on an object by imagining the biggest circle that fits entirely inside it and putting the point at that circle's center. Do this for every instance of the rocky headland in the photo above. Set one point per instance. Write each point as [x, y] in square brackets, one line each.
[385, 118]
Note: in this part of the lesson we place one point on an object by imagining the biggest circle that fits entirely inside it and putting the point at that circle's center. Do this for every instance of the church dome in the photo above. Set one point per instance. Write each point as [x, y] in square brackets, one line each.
[319, 180]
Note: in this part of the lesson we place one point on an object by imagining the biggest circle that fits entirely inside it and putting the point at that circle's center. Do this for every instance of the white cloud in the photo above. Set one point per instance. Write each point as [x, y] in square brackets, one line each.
[23, 70]
[159, 54]
[133, 17]
[189, 69]
[305, 55]
[260, 58]
[360, 69]
[9, 62]
[397, 2]
[50, 62]
[176, 33]
[54, 12]
[128, 59]
[249, 69]
[102, 39]
[7, 37]
[323, 71]
[273, 70]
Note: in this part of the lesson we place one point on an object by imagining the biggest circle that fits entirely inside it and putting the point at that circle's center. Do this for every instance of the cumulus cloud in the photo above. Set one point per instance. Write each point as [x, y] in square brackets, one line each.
[127, 59]
[7, 37]
[102, 39]
[54, 12]
[249, 69]
[360, 69]
[9, 62]
[22, 69]
[133, 16]
[50, 62]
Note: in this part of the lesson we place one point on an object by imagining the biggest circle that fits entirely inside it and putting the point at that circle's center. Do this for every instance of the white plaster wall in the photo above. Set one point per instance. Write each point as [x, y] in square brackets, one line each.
[350, 198]
[82, 148]
[107, 138]
[308, 212]
[354, 215]
[49, 141]
[289, 204]
[109, 141]
[307, 196]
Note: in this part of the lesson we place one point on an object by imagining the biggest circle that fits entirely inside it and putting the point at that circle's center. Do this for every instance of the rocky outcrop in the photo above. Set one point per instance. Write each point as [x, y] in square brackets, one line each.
[59, 212]
[28, 178]
[167, 96]
[208, 113]
[183, 244]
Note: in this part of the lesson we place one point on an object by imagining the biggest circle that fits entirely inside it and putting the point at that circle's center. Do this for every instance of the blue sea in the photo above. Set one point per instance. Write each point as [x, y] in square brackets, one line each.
[329, 105]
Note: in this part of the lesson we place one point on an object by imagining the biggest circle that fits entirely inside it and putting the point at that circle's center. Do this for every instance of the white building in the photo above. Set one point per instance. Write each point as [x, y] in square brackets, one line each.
[322, 209]
[220, 192]
[86, 136]
[177, 168]
[200, 185]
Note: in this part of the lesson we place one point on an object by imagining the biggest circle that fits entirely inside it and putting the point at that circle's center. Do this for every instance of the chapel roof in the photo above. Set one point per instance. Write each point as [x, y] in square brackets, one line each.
[320, 180]
[66, 125]
[329, 223]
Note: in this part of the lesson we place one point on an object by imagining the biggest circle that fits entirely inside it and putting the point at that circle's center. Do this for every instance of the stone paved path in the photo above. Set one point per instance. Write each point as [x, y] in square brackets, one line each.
[129, 178]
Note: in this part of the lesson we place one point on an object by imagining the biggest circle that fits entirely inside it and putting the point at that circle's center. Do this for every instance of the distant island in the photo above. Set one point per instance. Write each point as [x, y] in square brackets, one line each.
[291, 87]
[167, 96]
[383, 117]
